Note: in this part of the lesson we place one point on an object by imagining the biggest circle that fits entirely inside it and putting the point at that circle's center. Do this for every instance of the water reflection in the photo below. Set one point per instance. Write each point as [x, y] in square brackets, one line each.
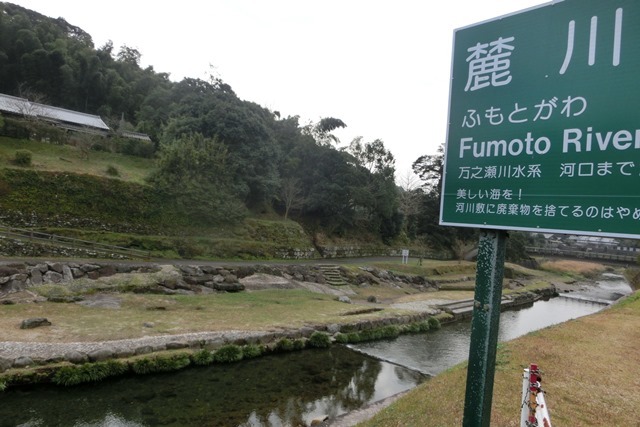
[278, 390]
[437, 351]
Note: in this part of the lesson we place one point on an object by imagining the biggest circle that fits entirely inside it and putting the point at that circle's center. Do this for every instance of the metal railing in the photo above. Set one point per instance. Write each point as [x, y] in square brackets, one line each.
[69, 242]
[607, 256]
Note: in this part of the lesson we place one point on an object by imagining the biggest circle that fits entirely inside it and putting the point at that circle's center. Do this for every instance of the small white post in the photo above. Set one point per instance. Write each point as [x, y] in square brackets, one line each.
[534, 411]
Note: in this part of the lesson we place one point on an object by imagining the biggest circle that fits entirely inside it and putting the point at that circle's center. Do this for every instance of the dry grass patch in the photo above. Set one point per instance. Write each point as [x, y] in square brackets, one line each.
[440, 295]
[261, 310]
[574, 268]
[590, 373]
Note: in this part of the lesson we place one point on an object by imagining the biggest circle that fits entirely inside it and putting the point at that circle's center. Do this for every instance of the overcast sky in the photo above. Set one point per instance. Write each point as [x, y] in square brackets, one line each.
[380, 66]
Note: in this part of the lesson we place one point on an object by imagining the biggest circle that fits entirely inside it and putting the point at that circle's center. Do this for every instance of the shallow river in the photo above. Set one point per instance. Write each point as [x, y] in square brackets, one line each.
[281, 390]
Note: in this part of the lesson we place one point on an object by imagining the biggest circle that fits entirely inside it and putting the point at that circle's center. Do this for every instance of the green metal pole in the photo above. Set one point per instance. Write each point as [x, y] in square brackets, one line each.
[484, 328]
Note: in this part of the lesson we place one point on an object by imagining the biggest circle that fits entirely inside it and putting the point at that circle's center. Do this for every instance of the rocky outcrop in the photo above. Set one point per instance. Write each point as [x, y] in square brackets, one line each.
[189, 279]
[21, 276]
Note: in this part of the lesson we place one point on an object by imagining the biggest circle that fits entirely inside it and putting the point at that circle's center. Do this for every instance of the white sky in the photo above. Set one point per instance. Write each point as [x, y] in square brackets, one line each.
[380, 66]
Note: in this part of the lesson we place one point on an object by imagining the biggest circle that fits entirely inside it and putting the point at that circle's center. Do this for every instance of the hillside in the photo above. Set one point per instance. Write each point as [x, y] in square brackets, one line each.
[71, 192]
[213, 159]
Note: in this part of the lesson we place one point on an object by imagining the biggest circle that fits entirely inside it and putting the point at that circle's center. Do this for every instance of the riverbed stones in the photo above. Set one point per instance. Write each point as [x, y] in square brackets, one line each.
[76, 357]
[5, 364]
[23, 362]
[101, 354]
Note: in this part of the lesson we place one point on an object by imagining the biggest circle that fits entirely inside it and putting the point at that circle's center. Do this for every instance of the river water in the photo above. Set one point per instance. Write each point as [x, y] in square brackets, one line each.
[282, 390]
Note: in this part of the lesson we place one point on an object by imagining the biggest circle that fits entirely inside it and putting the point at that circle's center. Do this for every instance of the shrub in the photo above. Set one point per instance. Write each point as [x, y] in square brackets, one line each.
[22, 158]
[391, 331]
[285, 344]
[412, 328]
[424, 326]
[319, 340]
[112, 171]
[251, 351]
[161, 364]
[353, 337]
[143, 366]
[228, 354]
[298, 344]
[89, 372]
[342, 338]
[433, 323]
[202, 357]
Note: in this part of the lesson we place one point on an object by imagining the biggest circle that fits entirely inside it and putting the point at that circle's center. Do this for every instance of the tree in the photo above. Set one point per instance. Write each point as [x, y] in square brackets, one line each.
[430, 169]
[457, 241]
[409, 202]
[378, 196]
[193, 176]
[321, 131]
[291, 195]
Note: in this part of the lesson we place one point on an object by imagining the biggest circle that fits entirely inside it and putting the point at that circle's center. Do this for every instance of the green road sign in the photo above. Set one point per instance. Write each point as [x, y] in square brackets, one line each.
[544, 121]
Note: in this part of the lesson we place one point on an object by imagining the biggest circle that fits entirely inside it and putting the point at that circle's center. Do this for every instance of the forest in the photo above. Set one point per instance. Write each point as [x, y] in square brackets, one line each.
[220, 158]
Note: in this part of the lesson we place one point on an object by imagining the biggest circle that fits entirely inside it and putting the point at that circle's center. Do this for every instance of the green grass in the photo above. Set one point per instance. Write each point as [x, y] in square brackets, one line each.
[66, 158]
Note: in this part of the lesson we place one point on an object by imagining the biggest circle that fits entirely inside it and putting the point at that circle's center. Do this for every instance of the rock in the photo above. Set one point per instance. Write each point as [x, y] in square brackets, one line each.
[34, 322]
[55, 266]
[76, 357]
[36, 277]
[148, 324]
[4, 364]
[42, 268]
[107, 270]
[22, 362]
[333, 328]
[101, 354]
[231, 278]
[190, 270]
[175, 345]
[6, 270]
[318, 421]
[344, 299]
[52, 277]
[87, 268]
[77, 273]
[145, 349]
[228, 287]
[67, 275]
[197, 280]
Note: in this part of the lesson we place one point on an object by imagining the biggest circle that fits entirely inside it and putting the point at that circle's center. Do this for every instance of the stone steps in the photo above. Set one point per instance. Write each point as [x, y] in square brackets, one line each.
[332, 274]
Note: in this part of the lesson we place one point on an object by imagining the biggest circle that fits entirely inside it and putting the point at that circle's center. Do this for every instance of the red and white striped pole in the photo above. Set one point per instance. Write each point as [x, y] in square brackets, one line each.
[534, 411]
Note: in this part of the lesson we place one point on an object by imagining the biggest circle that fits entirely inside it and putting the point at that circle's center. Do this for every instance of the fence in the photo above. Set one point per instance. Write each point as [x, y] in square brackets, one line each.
[69, 242]
[582, 254]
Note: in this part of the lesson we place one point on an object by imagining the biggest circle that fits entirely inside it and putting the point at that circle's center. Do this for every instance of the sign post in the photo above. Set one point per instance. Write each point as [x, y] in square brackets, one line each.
[543, 135]
[484, 328]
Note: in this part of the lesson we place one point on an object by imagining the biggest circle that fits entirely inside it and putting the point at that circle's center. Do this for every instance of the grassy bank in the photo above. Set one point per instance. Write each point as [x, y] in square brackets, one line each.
[590, 373]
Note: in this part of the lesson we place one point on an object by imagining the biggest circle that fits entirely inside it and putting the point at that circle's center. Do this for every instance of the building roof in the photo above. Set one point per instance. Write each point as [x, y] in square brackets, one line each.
[14, 105]
[135, 135]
